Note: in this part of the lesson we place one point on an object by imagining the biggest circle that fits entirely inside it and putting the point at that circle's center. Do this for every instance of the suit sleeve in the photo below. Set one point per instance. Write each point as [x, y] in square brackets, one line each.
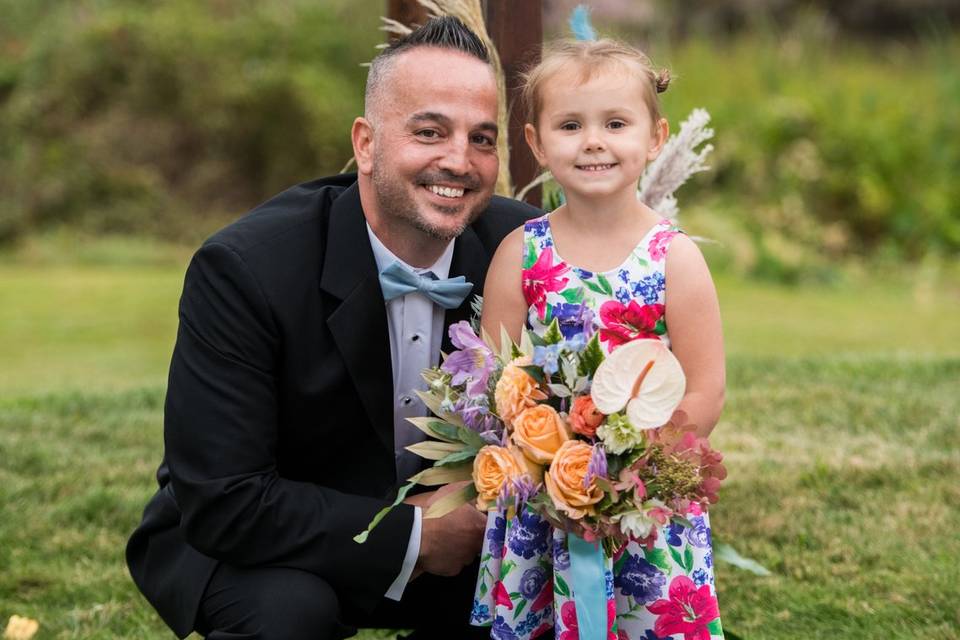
[220, 432]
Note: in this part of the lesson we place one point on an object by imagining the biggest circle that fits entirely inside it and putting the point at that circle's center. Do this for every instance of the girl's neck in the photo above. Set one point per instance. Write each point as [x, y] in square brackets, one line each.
[609, 214]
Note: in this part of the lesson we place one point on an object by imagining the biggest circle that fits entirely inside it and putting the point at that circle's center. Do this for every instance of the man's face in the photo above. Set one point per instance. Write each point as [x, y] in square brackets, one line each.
[434, 156]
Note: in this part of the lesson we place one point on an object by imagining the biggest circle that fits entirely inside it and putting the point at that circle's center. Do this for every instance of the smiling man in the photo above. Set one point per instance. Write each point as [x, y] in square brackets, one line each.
[303, 329]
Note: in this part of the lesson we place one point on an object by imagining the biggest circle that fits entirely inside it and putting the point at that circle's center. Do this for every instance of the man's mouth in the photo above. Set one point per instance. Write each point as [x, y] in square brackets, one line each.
[596, 167]
[445, 192]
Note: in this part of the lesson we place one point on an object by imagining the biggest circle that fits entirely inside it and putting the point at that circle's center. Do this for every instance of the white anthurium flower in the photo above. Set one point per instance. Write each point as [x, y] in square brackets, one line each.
[644, 378]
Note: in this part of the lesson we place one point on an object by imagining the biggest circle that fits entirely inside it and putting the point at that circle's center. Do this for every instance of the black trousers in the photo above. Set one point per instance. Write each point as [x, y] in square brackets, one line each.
[289, 604]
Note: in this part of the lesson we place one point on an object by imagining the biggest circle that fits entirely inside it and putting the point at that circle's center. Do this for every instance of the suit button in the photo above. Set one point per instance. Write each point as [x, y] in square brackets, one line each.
[405, 400]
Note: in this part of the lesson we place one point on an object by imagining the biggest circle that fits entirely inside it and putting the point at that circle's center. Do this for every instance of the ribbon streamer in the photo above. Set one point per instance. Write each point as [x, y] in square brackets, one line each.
[589, 587]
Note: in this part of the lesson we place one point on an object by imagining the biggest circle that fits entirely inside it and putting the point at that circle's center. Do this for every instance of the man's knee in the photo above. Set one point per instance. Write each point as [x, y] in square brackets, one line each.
[271, 604]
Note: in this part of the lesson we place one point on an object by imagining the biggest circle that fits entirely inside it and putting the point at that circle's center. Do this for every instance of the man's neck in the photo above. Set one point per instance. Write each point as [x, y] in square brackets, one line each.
[415, 247]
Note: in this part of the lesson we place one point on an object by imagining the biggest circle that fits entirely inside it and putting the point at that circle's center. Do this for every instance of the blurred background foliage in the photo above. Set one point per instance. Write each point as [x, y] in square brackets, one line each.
[837, 136]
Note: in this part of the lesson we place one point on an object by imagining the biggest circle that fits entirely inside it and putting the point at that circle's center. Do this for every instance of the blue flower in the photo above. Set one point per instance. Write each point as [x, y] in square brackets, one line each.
[537, 227]
[531, 621]
[649, 288]
[501, 630]
[495, 536]
[608, 584]
[650, 635]
[624, 275]
[480, 613]
[708, 559]
[583, 274]
[528, 537]
[673, 534]
[700, 577]
[622, 295]
[640, 579]
[546, 357]
[699, 534]
[532, 581]
[561, 555]
[573, 318]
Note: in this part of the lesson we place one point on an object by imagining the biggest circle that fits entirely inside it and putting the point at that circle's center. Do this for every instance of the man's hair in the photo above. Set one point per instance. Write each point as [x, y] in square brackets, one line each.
[445, 32]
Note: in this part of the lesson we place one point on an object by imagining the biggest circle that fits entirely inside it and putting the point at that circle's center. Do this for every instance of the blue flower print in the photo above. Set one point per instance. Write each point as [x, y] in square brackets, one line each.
[708, 559]
[501, 630]
[650, 635]
[624, 276]
[622, 295]
[561, 555]
[673, 534]
[583, 274]
[537, 227]
[531, 621]
[608, 583]
[649, 288]
[700, 577]
[529, 535]
[572, 318]
[699, 534]
[480, 613]
[640, 579]
[532, 581]
[495, 536]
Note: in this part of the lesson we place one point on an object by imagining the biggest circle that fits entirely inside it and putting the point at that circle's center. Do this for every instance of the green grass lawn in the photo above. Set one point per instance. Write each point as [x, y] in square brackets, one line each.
[841, 435]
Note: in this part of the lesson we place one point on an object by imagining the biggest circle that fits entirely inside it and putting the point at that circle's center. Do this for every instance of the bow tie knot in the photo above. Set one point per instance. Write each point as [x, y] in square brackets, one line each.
[396, 281]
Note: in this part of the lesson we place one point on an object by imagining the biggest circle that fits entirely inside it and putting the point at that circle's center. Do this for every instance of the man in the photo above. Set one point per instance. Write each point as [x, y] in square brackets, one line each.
[303, 327]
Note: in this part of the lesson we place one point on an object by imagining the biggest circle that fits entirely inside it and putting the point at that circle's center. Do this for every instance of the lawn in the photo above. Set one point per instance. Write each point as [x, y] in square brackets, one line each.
[841, 434]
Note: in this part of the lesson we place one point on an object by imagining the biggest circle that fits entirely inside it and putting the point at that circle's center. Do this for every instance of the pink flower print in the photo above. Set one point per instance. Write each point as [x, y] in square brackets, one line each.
[568, 613]
[688, 611]
[622, 323]
[501, 597]
[545, 598]
[659, 243]
[541, 278]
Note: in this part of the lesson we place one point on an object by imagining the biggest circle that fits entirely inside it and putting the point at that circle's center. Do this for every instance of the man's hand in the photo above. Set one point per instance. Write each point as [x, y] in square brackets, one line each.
[449, 543]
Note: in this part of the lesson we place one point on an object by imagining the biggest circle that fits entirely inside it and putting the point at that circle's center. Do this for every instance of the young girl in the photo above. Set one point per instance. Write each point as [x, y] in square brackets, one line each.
[606, 262]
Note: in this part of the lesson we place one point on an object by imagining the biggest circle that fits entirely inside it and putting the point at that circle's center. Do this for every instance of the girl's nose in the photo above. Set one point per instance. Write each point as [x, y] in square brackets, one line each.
[593, 142]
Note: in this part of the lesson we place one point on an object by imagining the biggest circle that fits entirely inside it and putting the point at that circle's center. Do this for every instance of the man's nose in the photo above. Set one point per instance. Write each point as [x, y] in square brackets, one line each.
[456, 156]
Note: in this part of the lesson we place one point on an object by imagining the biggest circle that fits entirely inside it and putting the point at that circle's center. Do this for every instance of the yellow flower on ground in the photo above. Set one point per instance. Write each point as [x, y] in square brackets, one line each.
[19, 628]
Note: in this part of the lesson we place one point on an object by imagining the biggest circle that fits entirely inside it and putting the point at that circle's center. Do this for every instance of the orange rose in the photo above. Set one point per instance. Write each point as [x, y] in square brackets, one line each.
[564, 480]
[516, 391]
[584, 417]
[539, 431]
[492, 468]
[531, 468]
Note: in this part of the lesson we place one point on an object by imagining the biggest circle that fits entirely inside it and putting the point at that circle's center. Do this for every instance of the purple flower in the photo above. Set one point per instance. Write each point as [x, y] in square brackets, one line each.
[583, 274]
[597, 467]
[532, 581]
[473, 363]
[640, 579]
[480, 612]
[574, 319]
[708, 559]
[537, 227]
[501, 630]
[700, 577]
[674, 529]
[495, 536]
[528, 535]
[561, 554]
[699, 534]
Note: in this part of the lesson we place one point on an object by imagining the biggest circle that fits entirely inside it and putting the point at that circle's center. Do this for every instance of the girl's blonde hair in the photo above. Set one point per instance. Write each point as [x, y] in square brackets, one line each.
[591, 56]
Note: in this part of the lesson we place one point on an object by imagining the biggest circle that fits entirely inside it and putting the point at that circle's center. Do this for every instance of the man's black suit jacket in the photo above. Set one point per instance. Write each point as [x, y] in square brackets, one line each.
[278, 425]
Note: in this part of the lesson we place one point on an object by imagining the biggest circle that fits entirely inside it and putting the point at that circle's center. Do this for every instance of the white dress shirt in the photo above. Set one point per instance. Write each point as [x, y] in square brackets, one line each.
[415, 325]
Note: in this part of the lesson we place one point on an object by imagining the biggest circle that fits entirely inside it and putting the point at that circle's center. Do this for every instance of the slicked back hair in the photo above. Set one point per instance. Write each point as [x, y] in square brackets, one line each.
[445, 32]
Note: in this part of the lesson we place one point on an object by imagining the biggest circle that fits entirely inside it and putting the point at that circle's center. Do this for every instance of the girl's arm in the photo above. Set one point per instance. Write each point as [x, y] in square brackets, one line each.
[503, 301]
[696, 335]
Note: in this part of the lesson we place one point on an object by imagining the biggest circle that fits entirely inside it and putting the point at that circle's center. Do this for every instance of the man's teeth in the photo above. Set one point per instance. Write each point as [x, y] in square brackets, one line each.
[595, 167]
[447, 192]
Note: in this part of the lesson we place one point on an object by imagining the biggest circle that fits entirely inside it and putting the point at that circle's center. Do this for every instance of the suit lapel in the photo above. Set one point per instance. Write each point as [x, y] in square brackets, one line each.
[359, 323]
[470, 260]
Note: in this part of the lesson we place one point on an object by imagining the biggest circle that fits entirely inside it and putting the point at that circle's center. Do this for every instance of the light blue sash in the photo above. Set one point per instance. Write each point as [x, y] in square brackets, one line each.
[587, 566]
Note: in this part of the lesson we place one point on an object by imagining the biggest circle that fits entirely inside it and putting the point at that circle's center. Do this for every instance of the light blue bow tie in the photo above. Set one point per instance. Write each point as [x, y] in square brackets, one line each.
[449, 294]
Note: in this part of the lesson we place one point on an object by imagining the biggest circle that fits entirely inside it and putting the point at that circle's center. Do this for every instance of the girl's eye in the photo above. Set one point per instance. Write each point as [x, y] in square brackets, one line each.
[617, 124]
[570, 126]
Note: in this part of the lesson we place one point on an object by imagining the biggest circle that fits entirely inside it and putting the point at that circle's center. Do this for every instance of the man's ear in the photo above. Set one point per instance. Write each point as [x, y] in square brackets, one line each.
[533, 141]
[361, 134]
[661, 131]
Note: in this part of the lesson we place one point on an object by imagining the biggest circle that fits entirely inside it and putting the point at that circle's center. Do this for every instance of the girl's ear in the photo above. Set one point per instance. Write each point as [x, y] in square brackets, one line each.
[533, 141]
[362, 137]
[661, 131]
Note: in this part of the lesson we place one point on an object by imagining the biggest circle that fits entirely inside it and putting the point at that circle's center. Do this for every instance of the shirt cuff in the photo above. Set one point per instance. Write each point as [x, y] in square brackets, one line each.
[395, 592]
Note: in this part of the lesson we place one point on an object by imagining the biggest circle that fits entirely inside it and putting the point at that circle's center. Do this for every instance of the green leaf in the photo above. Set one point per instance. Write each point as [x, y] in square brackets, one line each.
[506, 568]
[618, 565]
[676, 557]
[590, 357]
[605, 284]
[715, 627]
[573, 295]
[534, 372]
[548, 315]
[467, 454]
[688, 559]
[437, 475]
[553, 335]
[435, 449]
[661, 327]
[444, 430]
[594, 287]
[483, 589]
[559, 586]
[361, 537]
[530, 255]
[519, 609]
[423, 423]
[433, 403]
[471, 438]
[658, 558]
[723, 551]
[451, 501]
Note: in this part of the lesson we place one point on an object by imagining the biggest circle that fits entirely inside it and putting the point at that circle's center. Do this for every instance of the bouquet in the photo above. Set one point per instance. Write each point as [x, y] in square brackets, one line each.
[582, 462]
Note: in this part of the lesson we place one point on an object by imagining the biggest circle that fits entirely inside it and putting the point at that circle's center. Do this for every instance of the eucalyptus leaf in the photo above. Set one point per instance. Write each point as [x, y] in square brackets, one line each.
[560, 390]
[434, 449]
[725, 552]
[437, 475]
[451, 501]
[361, 537]
[423, 423]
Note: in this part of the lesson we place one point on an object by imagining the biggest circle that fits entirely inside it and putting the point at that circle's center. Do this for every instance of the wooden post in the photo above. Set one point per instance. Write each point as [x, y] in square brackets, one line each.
[516, 27]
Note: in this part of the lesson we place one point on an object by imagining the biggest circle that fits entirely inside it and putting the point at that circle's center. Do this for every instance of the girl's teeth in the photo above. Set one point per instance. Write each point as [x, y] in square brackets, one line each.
[447, 192]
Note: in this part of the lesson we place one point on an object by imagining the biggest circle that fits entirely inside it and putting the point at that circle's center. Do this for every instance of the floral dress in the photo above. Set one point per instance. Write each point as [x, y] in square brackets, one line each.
[525, 589]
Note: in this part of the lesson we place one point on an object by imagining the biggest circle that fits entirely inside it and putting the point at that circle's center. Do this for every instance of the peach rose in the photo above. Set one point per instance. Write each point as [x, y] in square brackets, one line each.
[539, 431]
[516, 391]
[492, 468]
[564, 480]
[584, 417]
[531, 468]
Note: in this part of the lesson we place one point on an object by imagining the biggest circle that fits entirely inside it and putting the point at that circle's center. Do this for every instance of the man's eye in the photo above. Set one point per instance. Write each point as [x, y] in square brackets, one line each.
[429, 134]
[483, 140]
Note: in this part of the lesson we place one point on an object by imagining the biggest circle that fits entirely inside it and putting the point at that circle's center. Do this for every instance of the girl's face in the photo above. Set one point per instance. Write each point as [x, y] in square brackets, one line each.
[595, 137]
